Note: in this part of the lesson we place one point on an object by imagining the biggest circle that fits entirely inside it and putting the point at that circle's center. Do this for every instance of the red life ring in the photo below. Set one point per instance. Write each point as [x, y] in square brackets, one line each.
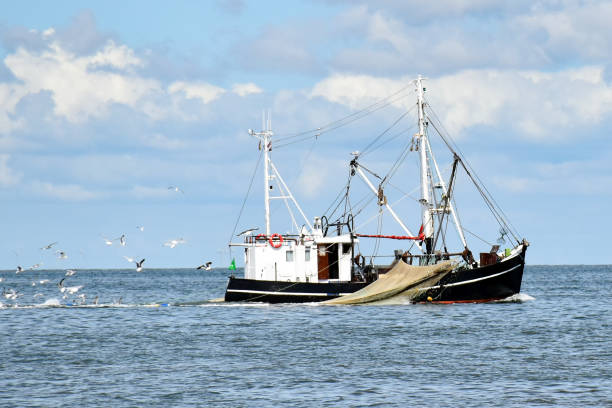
[278, 243]
[260, 237]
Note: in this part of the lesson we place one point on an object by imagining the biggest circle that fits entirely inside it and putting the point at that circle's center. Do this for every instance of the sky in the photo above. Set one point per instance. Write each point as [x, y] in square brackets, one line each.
[105, 105]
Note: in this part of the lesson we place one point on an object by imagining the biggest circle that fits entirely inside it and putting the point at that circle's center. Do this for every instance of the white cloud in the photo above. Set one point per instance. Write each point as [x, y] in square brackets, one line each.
[579, 28]
[67, 192]
[115, 56]
[196, 90]
[8, 176]
[48, 32]
[10, 95]
[78, 85]
[537, 105]
[356, 91]
[246, 89]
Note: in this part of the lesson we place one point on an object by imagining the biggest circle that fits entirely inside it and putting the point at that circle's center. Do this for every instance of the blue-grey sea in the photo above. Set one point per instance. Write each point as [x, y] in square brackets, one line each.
[154, 341]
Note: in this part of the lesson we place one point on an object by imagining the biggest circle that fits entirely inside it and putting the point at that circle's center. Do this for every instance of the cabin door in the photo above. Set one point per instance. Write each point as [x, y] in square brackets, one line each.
[328, 261]
[323, 262]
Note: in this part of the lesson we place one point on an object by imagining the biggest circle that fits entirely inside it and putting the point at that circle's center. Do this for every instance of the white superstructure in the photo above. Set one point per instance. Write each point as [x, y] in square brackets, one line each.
[306, 257]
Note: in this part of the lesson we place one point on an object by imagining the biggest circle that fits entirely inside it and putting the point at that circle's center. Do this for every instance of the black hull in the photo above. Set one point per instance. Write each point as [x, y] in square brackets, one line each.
[249, 290]
[492, 282]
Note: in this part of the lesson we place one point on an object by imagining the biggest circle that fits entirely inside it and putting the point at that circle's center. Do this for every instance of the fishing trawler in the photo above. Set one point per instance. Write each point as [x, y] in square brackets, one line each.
[323, 261]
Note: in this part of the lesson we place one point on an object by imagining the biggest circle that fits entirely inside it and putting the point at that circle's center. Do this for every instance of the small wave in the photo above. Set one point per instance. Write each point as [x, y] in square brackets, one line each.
[55, 303]
[50, 302]
[233, 304]
[517, 298]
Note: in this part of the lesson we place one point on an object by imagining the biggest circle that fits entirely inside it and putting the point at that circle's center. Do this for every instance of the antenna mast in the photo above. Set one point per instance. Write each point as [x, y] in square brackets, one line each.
[265, 138]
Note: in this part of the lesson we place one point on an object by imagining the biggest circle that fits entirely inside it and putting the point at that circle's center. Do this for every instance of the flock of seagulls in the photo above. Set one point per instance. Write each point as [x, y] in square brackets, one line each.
[66, 291]
[73, 291]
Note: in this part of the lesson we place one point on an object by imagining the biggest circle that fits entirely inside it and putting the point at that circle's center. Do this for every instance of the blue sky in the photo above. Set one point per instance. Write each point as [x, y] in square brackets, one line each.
[103, 105]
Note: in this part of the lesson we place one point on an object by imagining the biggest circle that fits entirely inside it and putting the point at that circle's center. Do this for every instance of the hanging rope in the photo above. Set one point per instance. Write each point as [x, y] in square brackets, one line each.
[245, 199]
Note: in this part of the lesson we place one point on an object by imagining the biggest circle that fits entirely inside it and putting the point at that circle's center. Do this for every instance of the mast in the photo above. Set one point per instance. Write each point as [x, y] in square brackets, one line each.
[426, 215]
[265, 139]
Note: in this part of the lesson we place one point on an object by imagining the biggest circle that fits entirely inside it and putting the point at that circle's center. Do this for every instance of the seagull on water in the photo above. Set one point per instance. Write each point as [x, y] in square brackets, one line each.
[139, 265]
[10, 294]
[43, 281]
[69, 289]
[247, 232]
[49, 246]
[207, 266]
[70, 272]
[175, 188]
[19, 269]
[35, 266]
[174, 242]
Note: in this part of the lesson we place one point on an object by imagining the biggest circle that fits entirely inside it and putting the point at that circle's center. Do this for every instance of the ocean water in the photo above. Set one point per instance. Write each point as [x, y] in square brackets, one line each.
[154, 341]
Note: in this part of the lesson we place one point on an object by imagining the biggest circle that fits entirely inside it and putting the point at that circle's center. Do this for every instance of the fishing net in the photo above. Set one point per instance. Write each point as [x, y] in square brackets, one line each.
[401, 283]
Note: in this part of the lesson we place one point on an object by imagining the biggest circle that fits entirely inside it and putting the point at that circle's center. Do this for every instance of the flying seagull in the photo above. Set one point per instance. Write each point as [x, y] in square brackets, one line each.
[140, 227]
[177, 189]
[107, 241]
[174, 242]
[19, 269]
[139, 265]
[70, 289]
[35, 266]
[121, 239]
[61, 254]
[70, 272]
[49, 246]
[206, 266]
[129, 259]
[247, 232]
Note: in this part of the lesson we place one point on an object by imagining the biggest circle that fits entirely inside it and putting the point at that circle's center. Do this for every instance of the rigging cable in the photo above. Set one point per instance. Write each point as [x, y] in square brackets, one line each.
[398, 134]
[245, 198]
[377, 138]
[495, 209]
[365, 111]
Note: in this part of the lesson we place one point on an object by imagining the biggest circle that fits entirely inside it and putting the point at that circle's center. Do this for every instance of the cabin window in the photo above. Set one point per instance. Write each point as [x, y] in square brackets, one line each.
[289, 256]
[307, 255]
[346, 249]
